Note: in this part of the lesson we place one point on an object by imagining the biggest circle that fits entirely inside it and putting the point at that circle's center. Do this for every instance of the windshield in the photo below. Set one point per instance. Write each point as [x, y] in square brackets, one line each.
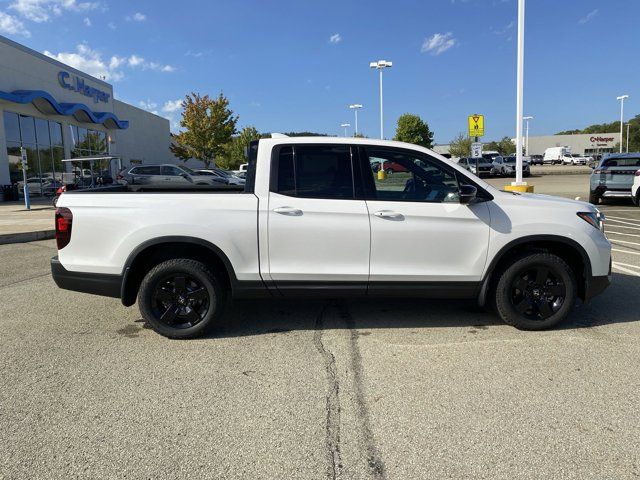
[621, 162]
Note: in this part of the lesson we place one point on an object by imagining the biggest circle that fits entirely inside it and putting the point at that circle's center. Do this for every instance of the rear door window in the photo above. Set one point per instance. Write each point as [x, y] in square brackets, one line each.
[313, 171]
[146, 171]
[622, 162]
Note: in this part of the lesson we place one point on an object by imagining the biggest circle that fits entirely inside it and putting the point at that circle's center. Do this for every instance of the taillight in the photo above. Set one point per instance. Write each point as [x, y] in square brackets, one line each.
[64, 221]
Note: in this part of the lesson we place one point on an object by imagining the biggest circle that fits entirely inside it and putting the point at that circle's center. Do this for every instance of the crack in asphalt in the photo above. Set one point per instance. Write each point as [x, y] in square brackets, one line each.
[375, 464]
[332, 427]
[374, 460]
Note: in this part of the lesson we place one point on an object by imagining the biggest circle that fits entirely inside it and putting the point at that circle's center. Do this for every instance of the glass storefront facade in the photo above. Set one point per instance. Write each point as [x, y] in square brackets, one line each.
[43, 142]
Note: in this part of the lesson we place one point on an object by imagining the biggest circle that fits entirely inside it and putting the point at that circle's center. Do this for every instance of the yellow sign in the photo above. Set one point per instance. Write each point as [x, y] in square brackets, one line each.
[476, 125]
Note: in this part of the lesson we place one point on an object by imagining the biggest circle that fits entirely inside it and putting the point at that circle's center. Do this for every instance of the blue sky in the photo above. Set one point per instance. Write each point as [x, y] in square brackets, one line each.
[297, 65]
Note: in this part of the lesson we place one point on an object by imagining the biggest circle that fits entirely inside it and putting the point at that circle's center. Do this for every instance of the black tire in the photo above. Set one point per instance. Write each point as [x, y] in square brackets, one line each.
[181, 298]
[389, 171]
[536, 292]
[594, 198]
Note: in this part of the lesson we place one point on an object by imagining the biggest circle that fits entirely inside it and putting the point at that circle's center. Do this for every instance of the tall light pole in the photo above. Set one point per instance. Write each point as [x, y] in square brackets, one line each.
[621, 98]
[526, 134]
[381, 65]
[628, 137]
[345, 126]
[519, 93]
[355, 107]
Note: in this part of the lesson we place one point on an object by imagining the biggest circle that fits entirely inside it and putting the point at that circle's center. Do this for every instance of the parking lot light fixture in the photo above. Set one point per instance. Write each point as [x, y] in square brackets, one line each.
[621, 98]
[526, 134]
[628, 137]
[355, 107]
[345, 126]
[381, 65]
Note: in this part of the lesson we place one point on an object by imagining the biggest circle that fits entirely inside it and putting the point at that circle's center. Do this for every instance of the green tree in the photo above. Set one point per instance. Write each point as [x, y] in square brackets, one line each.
[460, 146]
[412, 129]
[506, 147]
[234, 155]
[208, 125]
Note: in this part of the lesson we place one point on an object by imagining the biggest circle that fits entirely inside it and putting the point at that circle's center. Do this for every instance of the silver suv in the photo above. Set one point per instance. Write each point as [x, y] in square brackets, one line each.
[166, 176]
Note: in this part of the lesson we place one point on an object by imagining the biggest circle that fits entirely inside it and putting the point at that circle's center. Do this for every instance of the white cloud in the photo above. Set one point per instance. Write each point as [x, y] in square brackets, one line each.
[136, 17]
[87, 21]
[438, 43]
[111, 25]
[91, 61]
[148, 105]
[12, 26]
[171, 106]
[42, 10]
[335, 38]
[588, 17]
[189, 53]
[134, 60]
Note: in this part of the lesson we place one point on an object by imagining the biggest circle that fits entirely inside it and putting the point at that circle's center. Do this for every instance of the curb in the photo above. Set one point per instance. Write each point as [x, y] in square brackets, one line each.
[543, 173]
[25, 237]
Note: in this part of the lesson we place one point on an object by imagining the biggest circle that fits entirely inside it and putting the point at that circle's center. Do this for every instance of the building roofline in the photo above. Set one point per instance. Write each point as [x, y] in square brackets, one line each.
[53, 61]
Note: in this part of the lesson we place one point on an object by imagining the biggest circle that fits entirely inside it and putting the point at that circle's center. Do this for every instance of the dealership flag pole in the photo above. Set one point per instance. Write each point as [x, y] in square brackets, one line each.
[519, 93]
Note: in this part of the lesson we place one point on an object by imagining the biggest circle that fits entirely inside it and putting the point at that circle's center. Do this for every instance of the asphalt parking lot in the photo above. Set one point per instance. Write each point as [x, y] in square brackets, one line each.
[353, 389]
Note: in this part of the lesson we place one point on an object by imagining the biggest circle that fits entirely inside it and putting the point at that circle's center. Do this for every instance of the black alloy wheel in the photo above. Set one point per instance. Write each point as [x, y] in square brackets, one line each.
[182, 298]
[537, 292]
[180, 301]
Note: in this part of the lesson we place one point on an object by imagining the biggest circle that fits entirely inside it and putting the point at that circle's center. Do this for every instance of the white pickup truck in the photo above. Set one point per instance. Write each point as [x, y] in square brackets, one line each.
[313, 219]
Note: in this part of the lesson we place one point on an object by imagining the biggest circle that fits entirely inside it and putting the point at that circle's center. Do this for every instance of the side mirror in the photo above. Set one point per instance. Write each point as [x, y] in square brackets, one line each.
[467, 194]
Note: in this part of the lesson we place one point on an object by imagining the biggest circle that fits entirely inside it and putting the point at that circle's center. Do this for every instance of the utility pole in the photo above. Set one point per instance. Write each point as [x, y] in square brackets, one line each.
[621, 98]
[355, 107]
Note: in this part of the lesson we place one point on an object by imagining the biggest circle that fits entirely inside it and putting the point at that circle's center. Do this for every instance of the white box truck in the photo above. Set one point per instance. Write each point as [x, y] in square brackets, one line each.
[553, 155]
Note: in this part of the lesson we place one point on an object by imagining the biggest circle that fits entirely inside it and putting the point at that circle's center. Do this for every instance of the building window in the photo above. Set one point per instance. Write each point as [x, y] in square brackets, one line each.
[87, 142]
[42, 140]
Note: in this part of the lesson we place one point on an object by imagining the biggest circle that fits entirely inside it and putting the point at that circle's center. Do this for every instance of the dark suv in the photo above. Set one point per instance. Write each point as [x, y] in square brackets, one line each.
[613, 177]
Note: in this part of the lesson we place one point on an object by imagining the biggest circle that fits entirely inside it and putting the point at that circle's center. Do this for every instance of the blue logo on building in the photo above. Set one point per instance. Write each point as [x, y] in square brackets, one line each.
[77, 84]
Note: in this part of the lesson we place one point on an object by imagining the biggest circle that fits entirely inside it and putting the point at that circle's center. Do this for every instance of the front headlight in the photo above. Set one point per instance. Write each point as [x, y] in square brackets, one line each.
[595, 219]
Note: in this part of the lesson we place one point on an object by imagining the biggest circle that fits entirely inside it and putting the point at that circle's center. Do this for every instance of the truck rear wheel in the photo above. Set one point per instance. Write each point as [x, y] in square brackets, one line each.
[536, 292]
[181, 298]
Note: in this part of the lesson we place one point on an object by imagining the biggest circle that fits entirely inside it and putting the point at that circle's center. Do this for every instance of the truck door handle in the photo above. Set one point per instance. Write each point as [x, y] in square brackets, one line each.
[288, 211]
[389, 214]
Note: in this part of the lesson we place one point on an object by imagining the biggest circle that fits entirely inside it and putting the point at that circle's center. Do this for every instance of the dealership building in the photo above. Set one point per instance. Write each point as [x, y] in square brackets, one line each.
[581, 143]
[56, 112]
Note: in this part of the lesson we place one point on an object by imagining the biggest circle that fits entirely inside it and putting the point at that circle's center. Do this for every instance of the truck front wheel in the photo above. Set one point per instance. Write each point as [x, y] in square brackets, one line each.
[536, 292]
[181, 298]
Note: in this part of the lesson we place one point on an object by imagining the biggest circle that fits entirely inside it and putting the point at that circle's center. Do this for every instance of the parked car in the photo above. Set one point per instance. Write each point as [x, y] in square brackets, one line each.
[635, 189]
[536, 159]
[242, 171]
[506, 166]
[38, 186]
[614, 177]
[166, 176]
[318, 223]
[575, 159]
[484, 166]
[223, 176]
[557, 155]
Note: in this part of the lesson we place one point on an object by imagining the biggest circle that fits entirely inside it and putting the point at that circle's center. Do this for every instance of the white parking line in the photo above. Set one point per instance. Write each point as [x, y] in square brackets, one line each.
[625, 251]
[625, 270]
[626, 234]
[624, 218]
[627, 211]
[623, 226]
[622, 241]
[627, 265]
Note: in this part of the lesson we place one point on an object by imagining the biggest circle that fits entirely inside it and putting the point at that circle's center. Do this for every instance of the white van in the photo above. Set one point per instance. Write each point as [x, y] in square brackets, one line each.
[555, 155]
